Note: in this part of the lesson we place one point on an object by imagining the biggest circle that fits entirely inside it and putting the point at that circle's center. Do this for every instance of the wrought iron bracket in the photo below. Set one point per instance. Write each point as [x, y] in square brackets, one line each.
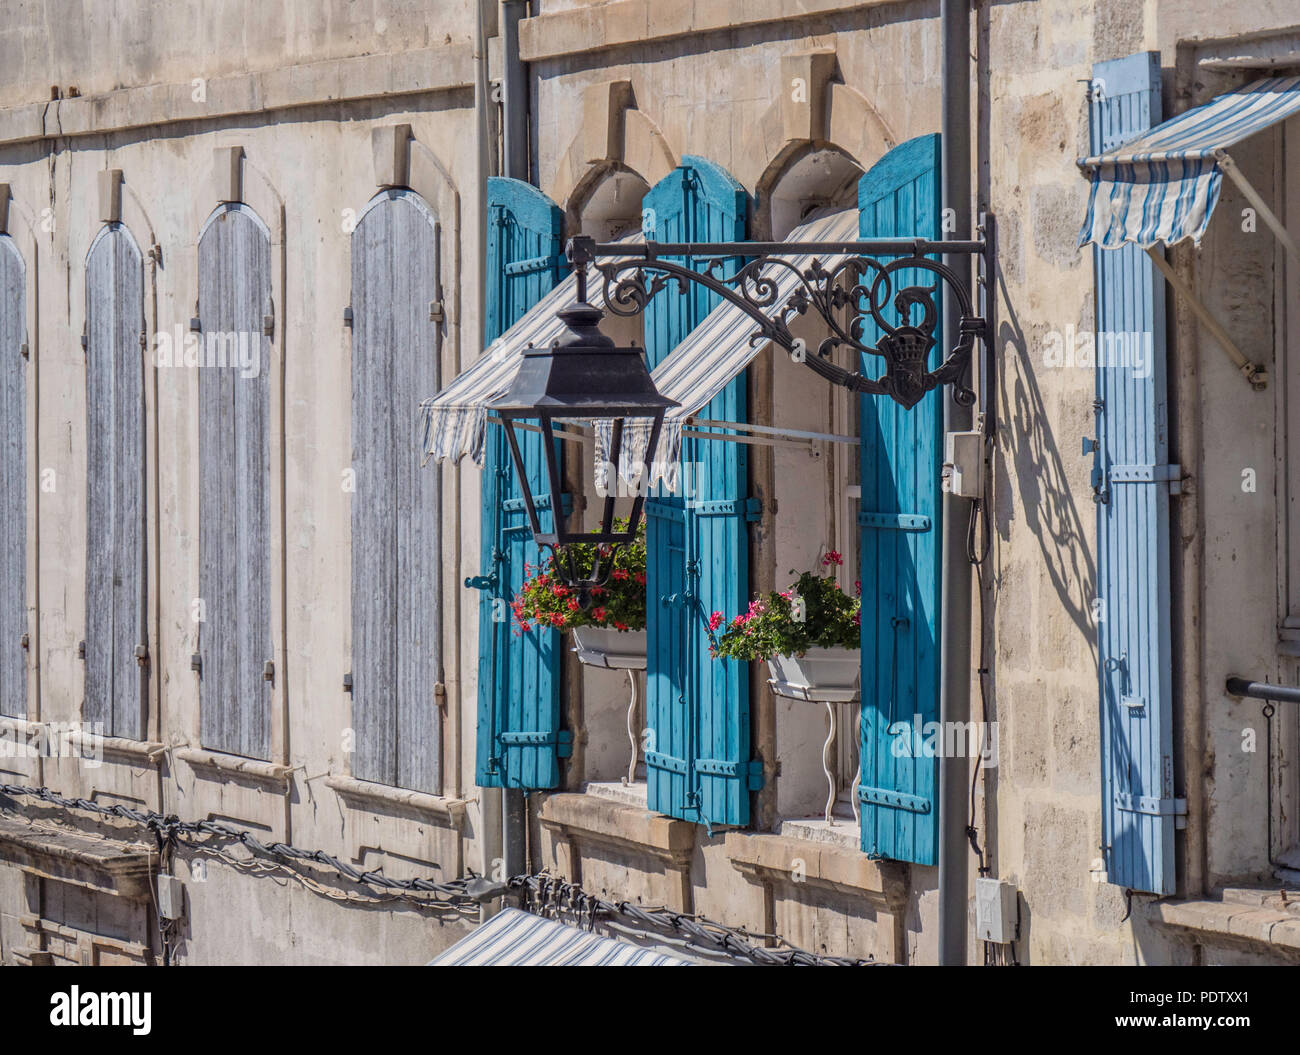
[892, 289]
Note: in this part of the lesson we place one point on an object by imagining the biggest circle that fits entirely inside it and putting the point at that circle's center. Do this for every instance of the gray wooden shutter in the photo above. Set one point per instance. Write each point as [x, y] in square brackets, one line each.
[235, 484]
[13, 481]
[396, 545]
[116, 587]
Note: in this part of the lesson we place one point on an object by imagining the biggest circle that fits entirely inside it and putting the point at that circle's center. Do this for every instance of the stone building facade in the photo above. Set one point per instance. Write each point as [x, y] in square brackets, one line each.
[155, 120]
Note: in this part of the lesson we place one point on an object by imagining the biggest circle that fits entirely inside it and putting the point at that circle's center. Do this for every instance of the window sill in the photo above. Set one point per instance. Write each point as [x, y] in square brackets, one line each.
[594, 817]
[108, 865]
[785, 859]
[844, 834]
[616, 791]
[1255, 917]
[366, 794]
[141, 752]
[87, 745]
[208, 763]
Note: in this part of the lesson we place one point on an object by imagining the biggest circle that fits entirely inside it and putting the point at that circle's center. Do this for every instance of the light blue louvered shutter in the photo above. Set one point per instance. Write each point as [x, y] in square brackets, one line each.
[519, 736]
[396, 563]
[235, 483]
[1131, 476]
[13, 481]
[698, 758]
[116, 588]
[900, 539]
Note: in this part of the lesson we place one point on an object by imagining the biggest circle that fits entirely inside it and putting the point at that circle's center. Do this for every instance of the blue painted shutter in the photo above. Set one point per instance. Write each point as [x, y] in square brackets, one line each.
[116, 586]
[13, 481]
[235, 485]
[396, 563]
[519, 739]
[1130, 474]
[698, 763]
[900, 538]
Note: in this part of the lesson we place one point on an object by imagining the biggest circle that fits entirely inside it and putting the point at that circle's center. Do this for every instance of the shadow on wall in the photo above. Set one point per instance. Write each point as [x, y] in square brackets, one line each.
[1042, 483]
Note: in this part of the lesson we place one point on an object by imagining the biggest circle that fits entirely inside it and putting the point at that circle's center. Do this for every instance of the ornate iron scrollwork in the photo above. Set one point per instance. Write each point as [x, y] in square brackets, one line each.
[855, 293]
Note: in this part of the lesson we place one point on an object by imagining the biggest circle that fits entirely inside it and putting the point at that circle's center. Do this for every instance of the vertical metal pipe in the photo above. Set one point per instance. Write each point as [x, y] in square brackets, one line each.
[955, 603]
[514, 91]
[492, 802]
[514, 121]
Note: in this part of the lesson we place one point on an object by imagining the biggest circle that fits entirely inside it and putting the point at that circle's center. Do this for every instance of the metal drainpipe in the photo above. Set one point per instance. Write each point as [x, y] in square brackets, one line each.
[955, 603]
[514, 91]
[514, 106]
[491, 799]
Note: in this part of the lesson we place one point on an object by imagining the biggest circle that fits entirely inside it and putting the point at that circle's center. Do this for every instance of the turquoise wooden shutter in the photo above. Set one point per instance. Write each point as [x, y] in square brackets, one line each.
[13, 481]
[235, 484]
[698, 763]
[396, 513]
[1131, 477]
[116, 586]
[900, 538]
[520, 739]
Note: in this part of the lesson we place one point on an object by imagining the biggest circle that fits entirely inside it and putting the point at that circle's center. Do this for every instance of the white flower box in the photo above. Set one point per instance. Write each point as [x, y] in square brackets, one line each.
[603, 646]
[820, 675]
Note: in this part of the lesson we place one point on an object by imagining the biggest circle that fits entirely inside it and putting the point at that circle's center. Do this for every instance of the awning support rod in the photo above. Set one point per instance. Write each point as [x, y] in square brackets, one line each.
[1256, 375]
[827, 437]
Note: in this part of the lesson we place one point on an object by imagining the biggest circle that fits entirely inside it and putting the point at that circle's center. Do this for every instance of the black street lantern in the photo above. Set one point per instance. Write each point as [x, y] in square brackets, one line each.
[582, 376]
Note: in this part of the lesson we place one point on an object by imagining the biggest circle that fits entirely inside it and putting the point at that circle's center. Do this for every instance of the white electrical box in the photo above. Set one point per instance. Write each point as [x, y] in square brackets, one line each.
[963, 471]
[171, 897]
[997, 913]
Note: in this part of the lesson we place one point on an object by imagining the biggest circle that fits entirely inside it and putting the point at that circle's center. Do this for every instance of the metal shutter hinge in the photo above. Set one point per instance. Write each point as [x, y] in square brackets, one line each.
[195, 325]
[142, 655]
[25, 351]
[436, 313]
[268, 325]
[347, 316]
[196, 663]
[268, 672]
[347, 682]
[26, 642]
[81, 650]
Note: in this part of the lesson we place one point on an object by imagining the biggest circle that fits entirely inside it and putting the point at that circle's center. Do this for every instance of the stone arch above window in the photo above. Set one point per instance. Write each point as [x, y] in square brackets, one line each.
[614, 133]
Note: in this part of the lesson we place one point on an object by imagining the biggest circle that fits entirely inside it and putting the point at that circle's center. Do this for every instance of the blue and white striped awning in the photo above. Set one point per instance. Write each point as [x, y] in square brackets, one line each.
[514, 938]
[455, 420]
[1163, 185]
[714, 354]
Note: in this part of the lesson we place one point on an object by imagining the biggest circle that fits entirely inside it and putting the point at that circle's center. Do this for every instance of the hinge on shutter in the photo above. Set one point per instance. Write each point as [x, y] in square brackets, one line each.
[347, 682]
[347, 316]
[436, 313]
[268, 325]
[1150, 806]
[142, 655]
[26, 642]
[85, 341]
[268, 672]
[25, 351]
[1148, 474]
[81, 650]
[196, 663]
[144, 340]
[195, 325]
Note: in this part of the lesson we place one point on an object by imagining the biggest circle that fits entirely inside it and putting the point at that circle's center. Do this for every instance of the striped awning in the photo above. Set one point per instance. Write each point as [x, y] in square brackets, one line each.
[514, 938]
[714, 354]
[1163, 185]
[455, 420]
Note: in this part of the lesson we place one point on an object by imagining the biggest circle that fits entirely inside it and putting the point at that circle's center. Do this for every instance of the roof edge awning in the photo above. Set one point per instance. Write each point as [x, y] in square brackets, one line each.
[1162, 186]
[515, 938]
